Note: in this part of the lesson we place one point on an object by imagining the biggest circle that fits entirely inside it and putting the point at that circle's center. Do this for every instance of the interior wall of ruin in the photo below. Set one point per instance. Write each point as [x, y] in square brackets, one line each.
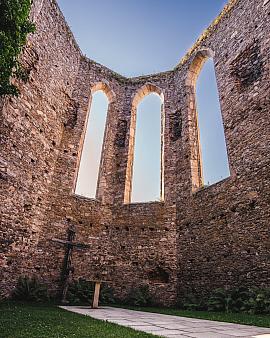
[223, 229]
[198, 237]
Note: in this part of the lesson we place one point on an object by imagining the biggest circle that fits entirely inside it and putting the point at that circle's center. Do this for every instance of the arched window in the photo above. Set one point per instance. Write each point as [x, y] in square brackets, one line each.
[212, 139]
[209, 159]
[145, 164]
[88, 173]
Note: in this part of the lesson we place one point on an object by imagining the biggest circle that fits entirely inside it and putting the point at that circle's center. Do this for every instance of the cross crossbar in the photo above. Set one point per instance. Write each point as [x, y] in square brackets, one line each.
[72, 244]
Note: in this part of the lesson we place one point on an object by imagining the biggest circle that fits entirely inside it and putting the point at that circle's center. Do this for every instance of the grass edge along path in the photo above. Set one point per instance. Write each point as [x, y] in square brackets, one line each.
[34, 321]
[236, 318]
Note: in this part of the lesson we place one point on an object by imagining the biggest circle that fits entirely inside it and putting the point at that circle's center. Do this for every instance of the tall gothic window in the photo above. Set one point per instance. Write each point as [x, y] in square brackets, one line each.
[146, 177]
[214, 158]
[88, 173]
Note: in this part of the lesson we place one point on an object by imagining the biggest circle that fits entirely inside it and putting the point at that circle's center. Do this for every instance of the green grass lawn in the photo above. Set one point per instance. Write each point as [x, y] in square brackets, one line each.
[239, 318]
[30, 321]
[33, 321]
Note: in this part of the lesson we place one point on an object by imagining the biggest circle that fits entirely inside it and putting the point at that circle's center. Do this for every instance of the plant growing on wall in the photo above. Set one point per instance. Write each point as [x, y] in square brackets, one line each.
[242, 299]
[81, 292]
[139, 296]
[30, 289]
[14, 28]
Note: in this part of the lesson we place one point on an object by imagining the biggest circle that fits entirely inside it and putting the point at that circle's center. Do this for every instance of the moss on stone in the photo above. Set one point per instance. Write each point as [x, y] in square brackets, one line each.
[208, 32]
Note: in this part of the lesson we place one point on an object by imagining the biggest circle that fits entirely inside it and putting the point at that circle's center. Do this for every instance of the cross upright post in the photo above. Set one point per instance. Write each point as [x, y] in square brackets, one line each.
[68, 268]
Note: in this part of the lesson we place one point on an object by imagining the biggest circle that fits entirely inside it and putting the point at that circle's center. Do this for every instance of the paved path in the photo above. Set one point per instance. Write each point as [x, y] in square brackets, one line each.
[171, 326]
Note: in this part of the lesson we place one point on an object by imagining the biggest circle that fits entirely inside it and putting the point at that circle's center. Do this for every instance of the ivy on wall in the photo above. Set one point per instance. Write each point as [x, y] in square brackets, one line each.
[14, 28]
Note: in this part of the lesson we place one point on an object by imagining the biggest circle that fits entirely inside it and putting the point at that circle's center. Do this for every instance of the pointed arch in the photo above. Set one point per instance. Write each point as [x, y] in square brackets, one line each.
[105, 87]
[196, 65]
[140, 94]
[145, 90]
[92, 141]
[202, 156]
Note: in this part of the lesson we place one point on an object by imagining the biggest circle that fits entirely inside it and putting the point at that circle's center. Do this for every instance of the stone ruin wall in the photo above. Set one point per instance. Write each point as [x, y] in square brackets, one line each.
[223, 230]
[198, 238]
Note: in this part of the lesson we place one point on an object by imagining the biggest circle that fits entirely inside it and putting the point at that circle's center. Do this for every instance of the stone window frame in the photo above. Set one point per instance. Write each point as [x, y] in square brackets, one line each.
[138, 96]
[111, 96]
[194, 70]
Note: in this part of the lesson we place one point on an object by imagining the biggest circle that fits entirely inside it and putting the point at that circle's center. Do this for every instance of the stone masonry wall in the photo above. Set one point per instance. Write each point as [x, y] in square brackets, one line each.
[223, 229]
[31, 128]
[196, 238]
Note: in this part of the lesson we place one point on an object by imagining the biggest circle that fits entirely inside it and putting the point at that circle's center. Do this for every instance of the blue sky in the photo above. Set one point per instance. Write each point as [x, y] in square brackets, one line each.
[136, 37]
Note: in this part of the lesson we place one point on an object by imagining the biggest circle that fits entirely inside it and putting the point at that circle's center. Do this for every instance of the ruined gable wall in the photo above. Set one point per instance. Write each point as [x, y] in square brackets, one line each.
[125, 251]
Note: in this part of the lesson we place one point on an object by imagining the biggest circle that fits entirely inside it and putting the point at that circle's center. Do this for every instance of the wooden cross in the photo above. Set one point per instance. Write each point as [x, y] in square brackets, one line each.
[68, 269]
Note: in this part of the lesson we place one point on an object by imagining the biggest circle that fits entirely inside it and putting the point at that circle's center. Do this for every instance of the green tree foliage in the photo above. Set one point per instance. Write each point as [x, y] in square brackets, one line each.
[14, 28]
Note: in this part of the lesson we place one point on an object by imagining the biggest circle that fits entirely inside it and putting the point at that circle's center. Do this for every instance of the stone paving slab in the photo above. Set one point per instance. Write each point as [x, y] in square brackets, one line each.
[171, 326]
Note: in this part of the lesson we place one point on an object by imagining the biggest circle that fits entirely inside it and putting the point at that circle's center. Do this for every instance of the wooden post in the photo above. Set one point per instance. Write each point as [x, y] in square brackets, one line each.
[96, 295]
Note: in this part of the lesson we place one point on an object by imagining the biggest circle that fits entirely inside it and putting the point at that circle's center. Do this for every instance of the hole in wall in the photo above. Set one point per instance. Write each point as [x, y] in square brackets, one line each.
[176, 125]
[159, 275]
[120, 138]
[247, 68]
